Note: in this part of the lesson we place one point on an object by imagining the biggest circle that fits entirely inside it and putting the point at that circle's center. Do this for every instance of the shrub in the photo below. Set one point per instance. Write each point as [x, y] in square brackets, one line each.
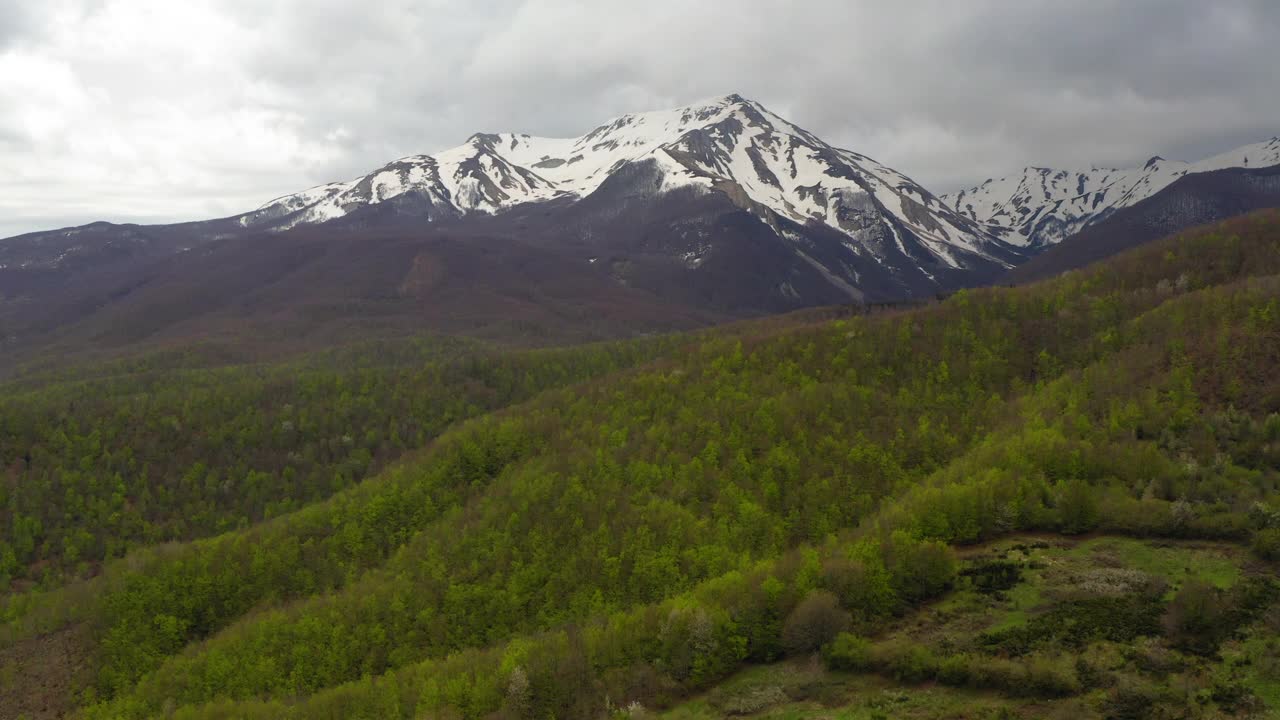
[1038, 677]
[992, 576]
[915, 663]
[1266, 544]
[993, 673]
[857, 589]
[1263, 517]
[750, 701]
[1078, 622]
[1048, 677]
[1089, 674]
[1271, 428]
[1142, 518]
[1236, 698]
[1250, 600]
[921, 570]
[1130, 702]
[954, 670]
[1219, 526]
[1153, 657]
[848, 652]
[1197, 620]
[816, 621]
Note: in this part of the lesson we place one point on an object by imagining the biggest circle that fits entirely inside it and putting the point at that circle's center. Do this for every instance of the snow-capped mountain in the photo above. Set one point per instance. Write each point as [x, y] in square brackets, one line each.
[652, 221]
[729, 147]
[1042, 206]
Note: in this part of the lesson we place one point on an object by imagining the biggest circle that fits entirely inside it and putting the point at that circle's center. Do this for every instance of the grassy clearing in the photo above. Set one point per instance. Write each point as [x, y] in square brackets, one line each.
[1053, 572]
[796, 690]
[1215, 563]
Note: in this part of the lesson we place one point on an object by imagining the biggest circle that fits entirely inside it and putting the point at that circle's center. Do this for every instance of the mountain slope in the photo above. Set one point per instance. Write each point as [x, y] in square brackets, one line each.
[1042, 206]
[269, 295]
[638, 538]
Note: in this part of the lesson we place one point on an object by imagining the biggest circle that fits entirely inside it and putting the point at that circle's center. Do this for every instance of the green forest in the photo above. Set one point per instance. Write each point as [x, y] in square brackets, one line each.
[1057, 500]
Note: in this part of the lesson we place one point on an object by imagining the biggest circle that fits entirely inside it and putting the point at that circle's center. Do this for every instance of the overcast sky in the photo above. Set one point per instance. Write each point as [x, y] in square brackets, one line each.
[157, 110]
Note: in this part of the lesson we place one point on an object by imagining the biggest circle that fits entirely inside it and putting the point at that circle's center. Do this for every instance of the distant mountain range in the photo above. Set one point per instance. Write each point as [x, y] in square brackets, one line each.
[652, 221]
[1194, 199]
[1041, 206]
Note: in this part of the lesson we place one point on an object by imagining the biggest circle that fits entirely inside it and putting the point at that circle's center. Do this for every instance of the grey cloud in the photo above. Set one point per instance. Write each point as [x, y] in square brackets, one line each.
[1028, 82]
[14, 21]
[948, 92]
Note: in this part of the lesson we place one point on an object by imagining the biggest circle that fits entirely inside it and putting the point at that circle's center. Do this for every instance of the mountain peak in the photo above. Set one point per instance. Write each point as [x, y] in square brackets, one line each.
[732, 100]
[481, 139]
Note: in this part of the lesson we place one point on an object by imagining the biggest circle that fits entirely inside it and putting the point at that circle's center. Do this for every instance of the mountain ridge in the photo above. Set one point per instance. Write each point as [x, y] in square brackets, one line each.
[1041, 206]
[1191, 200]
[728, 144]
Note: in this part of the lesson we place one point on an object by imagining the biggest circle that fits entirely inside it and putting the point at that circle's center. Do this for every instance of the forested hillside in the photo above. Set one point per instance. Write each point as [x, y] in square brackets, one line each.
[869, 503]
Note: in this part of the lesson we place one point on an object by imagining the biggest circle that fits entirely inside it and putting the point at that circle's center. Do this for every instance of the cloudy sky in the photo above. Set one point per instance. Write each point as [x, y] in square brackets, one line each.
[155, 110]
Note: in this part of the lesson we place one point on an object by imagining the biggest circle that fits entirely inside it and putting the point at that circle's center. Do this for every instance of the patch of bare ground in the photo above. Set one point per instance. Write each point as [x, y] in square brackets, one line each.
[41, 678]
